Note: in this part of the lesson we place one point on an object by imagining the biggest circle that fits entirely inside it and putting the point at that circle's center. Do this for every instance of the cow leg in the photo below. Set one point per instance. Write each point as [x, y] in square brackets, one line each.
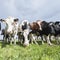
[14, 41]
[31, 38]
[34, 39]
[26, 42]
[42, 39]
[4, 39]
[11, 42]
[21, 41]
[11, 39]
[7, 40]
[48, 40]
[57, 39]
[20, 38]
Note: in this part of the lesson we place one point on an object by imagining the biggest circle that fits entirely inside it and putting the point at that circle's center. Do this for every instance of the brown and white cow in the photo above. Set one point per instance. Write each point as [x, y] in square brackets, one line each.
[34, 28]
[40, 28]
[45, 29]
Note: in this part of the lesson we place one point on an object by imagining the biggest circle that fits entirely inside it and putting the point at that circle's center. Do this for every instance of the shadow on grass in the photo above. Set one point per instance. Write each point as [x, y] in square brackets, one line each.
[4, 44]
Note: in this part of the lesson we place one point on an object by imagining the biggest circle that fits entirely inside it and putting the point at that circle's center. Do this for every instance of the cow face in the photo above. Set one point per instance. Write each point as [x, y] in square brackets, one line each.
[57, 26]
[9, 23]
[57, 22]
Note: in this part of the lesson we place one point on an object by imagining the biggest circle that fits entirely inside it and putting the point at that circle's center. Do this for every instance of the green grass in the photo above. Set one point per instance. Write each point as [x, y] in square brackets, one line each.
[32, 52]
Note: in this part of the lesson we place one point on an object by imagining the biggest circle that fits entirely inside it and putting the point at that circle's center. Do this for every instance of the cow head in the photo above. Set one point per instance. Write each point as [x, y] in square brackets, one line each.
[24, 27]
[57, 25]
[25, 24]
[9, 23]
[44, 25]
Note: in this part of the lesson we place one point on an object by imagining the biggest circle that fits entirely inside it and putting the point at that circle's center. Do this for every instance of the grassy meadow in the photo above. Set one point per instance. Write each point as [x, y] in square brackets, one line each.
[32, 52]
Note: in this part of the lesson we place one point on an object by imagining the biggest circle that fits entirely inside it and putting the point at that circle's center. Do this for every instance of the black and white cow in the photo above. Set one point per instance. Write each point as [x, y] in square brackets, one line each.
[11, 27]
[55, 29]
[24, 32]
[49, 29]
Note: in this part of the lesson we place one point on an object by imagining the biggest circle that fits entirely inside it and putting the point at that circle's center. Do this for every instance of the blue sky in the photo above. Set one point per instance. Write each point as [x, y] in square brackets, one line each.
[32, 10]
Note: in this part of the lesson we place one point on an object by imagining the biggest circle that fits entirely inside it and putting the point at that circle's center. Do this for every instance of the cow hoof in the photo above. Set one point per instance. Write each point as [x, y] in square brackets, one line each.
[26, 44]
[43, 43]
[36, 43]
[10, 43]
[32, 43]
[50, 44]
[14, 43]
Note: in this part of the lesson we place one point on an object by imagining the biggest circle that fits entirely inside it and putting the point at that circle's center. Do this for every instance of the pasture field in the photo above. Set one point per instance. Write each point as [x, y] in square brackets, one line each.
[32, 52]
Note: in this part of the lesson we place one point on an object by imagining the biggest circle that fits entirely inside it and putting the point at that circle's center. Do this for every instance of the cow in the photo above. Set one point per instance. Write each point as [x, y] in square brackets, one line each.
[6, 36]
[38, 28]
[10, 26]
[55, 29]
[24, 31]
[45, 30]
[49, 29]
[34, 28]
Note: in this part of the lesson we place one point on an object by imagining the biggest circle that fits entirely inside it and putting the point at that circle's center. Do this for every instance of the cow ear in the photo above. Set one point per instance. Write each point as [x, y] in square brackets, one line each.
[15, 20]
[2, 20]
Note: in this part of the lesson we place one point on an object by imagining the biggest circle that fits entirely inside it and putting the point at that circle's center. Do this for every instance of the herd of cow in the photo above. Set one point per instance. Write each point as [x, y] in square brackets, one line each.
[27, 32]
